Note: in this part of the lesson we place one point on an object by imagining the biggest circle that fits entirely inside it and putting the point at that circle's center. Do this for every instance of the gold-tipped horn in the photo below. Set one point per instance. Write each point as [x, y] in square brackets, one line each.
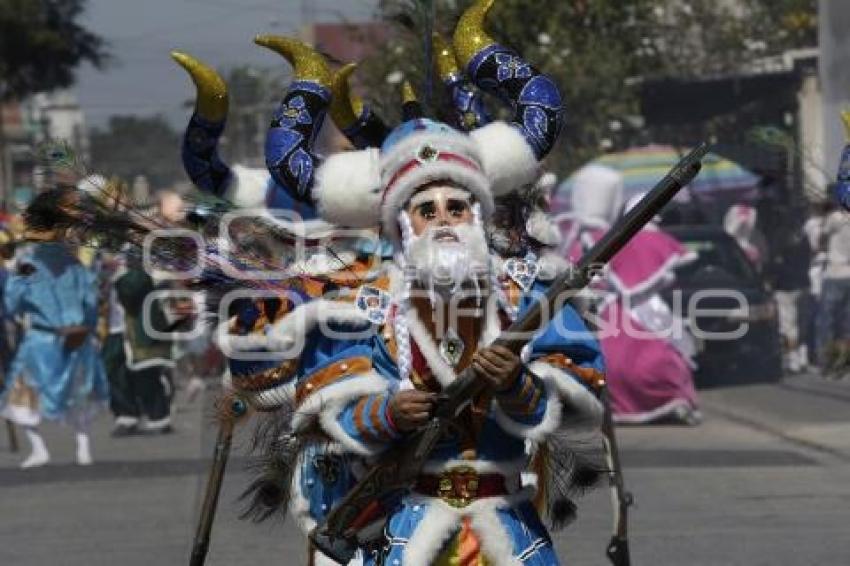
[845, 118]
[470, 36]
[346, 107]
[212, 99]
[309, 65]
[408, 94]
[444, 58]
[410, 107]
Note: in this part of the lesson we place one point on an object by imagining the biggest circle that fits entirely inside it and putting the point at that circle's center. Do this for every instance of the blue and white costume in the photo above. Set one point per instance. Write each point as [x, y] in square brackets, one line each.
[347, 355]
[351, 381]
[69, 383]
[469, 495]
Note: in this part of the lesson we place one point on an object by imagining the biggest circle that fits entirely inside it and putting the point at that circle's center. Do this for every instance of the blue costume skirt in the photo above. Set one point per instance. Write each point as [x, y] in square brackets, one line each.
[66, 384]
[518, 528]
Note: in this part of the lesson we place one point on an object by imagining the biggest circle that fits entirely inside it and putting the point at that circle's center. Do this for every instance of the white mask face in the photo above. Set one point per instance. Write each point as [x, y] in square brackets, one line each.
[445, 258]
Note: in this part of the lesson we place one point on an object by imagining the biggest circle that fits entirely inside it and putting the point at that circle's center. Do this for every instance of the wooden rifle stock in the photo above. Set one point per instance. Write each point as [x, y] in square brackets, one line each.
[337, 536]
[201, 544]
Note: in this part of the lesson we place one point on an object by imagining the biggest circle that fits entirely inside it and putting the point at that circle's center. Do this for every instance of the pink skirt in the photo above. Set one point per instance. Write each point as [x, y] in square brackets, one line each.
[648, 380]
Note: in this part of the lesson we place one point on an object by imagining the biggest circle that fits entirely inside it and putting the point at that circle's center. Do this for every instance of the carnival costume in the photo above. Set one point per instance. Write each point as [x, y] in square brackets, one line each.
[648, 353]
[321, 351]
[342, 386]
[318, 472]
[49, 377]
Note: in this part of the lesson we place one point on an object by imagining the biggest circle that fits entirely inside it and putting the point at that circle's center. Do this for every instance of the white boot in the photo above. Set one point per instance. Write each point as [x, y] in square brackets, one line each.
[194, 388]
[39, 455]
[803, 356]
[794, 364]
[83, 450]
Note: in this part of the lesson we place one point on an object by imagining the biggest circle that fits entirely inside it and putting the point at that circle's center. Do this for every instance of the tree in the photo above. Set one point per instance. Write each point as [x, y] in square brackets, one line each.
[254, 94]
[41, 45]
[132, 146]
[598, 51]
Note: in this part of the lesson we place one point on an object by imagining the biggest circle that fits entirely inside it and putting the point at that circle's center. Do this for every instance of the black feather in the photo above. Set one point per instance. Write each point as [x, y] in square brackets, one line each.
[574, 465]
[562, 513]
[276, 459]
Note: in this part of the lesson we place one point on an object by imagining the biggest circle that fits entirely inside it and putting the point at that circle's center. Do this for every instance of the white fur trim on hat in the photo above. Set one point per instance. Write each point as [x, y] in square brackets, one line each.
[508, 160]
[405, 187]
[401, 185]
[348, 189]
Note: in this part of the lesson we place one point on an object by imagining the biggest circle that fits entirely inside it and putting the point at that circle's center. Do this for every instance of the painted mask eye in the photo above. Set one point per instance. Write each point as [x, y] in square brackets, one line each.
[427, 210]
[457, 208]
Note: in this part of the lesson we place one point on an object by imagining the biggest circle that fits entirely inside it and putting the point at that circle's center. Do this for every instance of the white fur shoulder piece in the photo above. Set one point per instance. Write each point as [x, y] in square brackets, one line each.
[248, 187]
[509, 162]
[348, 189]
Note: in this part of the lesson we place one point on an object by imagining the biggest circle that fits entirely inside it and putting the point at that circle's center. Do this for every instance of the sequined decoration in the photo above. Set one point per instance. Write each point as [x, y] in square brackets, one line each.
[294, 127]
[452, 348]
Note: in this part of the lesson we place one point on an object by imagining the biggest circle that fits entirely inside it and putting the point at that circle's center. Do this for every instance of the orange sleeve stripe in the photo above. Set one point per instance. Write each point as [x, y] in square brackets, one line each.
[362, 428]
[330, 374]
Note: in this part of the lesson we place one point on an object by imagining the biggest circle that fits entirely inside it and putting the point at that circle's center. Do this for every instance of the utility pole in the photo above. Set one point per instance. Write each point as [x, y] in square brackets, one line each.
[5, 169]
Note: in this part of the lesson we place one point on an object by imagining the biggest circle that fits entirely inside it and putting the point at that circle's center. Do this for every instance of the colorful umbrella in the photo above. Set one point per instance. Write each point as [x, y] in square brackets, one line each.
[643, 167]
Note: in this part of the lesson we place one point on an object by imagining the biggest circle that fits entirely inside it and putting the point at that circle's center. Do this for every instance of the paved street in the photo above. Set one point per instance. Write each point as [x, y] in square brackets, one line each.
[765, 480]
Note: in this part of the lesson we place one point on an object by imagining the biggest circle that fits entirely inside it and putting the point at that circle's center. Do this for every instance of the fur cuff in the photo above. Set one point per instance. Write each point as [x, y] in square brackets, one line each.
[325, 406]
[568, 405]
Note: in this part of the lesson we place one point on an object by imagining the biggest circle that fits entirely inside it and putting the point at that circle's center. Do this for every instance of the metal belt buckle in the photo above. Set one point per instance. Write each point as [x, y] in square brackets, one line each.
[458, 486]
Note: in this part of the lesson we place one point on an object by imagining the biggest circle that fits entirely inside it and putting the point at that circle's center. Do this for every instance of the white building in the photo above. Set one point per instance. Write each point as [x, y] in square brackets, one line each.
[57, 116]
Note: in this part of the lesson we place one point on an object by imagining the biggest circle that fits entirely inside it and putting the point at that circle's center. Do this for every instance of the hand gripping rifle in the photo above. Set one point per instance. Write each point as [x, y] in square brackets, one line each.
[361, 509]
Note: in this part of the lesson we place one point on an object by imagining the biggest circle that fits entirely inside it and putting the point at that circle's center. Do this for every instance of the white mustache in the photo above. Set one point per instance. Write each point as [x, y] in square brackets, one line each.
[446, 257]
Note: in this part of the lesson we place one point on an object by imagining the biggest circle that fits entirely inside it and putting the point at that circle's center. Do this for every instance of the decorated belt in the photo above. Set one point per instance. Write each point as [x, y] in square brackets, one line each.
[461, 486]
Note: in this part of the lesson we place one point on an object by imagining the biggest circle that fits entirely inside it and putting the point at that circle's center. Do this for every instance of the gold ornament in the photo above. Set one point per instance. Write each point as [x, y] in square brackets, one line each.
[445, 59]
[212, 100]
[470, 36]
[309, 65]
[407, 93]
[346, 107]
[845, 118]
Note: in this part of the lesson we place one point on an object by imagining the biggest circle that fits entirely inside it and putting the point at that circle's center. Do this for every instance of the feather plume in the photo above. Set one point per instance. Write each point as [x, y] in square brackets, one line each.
[275, 452]
[567, 467]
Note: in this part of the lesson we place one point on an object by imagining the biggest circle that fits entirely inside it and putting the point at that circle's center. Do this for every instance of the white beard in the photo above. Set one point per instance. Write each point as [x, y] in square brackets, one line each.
[446, 266]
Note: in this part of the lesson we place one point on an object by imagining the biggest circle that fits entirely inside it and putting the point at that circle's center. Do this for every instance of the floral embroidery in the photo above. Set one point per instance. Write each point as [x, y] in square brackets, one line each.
[294, 113]
[511, 66]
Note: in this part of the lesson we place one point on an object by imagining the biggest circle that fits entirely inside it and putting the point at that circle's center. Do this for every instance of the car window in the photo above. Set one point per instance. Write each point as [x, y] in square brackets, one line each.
[717, 257]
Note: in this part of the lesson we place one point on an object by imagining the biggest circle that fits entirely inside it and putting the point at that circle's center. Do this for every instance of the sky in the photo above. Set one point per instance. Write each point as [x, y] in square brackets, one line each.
[144, 80]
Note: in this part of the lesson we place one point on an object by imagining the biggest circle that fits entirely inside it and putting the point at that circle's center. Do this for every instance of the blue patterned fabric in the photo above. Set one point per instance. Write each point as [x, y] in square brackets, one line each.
[61, 292]
[535, 98]
[201, 159]
[467, 103]
[289, 141]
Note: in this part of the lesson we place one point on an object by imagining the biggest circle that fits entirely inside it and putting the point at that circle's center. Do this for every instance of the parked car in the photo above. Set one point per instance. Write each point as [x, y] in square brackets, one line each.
[719, 292]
